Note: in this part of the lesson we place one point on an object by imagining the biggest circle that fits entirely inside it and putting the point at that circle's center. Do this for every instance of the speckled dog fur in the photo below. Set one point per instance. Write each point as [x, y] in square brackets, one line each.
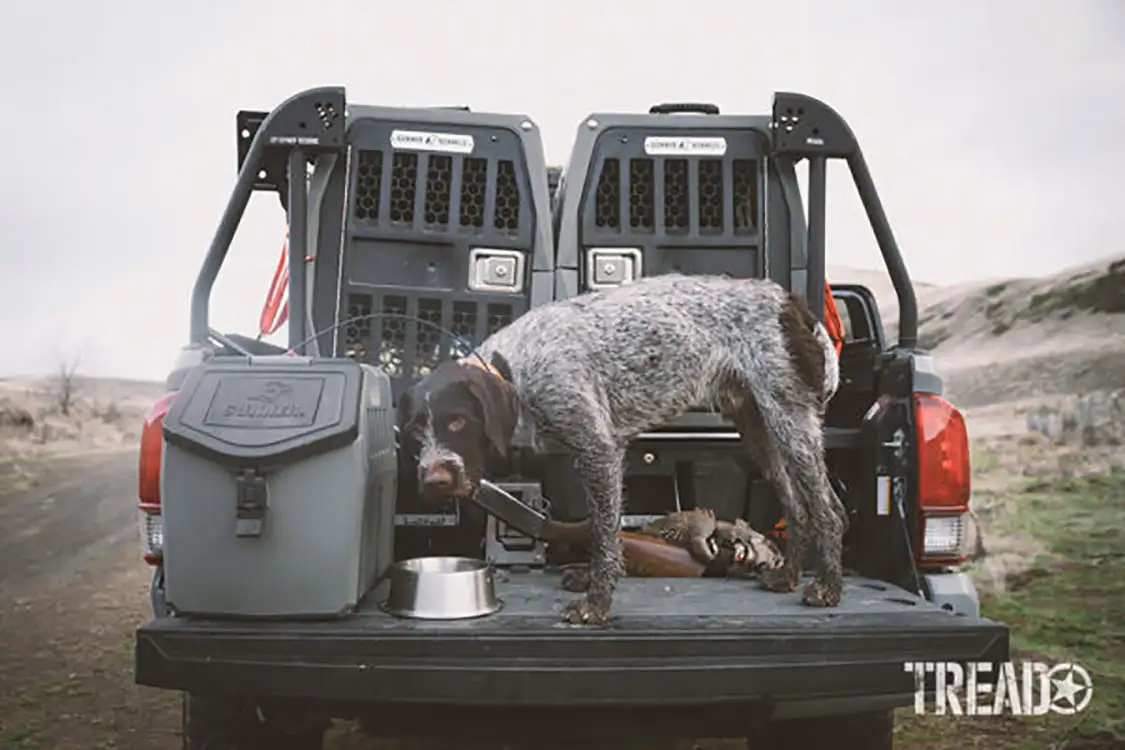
[594, 371]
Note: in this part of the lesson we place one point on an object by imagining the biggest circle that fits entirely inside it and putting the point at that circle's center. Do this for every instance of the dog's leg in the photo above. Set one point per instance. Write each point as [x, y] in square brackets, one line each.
[829, 526]
[576, 578]
[601, 466]
[803, 453]
[763, 450]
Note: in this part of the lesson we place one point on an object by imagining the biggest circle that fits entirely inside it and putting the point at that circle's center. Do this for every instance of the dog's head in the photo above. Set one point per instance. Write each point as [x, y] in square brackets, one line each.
[456, 423]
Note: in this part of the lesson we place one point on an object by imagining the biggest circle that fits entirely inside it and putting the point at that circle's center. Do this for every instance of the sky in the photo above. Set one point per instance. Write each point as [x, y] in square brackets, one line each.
[993, 130]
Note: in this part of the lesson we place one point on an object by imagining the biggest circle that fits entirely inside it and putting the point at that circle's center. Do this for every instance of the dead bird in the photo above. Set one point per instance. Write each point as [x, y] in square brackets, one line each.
[683, 544]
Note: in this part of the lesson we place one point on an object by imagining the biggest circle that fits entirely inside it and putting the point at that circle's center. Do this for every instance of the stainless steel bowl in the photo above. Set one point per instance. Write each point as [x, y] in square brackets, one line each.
[442, 588]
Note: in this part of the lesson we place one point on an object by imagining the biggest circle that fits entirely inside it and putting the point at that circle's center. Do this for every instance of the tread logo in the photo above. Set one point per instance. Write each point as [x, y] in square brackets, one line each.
[1024, 689]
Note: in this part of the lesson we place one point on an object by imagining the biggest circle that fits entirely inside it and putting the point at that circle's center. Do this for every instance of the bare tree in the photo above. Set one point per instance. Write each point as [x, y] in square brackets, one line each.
[64, 388]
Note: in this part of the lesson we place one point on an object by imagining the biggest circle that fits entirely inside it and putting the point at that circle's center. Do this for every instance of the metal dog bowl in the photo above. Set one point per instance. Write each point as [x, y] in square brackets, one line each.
[441, 588]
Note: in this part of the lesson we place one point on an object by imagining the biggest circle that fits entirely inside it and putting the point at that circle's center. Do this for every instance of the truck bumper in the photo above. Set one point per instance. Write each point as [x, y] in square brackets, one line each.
[673, 643]
[954, 591]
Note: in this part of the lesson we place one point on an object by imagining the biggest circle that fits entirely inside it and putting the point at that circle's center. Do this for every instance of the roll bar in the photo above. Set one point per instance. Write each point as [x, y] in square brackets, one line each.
[805, 127]
[273, 153]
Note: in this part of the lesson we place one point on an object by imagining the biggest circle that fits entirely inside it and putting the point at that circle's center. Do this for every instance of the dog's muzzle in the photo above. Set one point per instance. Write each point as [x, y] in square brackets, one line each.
[439, 477]
[444, 481]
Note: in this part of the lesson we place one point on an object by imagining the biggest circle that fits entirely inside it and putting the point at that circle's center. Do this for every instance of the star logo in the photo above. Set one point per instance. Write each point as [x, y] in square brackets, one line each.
[1073, 688]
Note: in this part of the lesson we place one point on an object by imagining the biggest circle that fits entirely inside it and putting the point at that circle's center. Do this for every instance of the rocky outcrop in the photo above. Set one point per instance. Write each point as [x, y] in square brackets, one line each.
[1085, 420]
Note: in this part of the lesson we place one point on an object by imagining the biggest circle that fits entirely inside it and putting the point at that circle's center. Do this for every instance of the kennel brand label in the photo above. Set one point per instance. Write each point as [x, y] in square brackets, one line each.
[419, 140]
[290, 140]
[248, 402]
[1017, 689]
[658, 145]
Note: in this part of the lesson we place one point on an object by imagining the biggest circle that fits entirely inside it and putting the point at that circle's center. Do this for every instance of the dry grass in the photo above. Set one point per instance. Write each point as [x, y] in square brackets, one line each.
[1002, 467]
[66, 414]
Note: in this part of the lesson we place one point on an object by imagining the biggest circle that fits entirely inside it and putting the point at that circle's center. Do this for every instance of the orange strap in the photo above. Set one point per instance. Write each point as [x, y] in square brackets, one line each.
[275, 310]
[832, 320]
[480, 363]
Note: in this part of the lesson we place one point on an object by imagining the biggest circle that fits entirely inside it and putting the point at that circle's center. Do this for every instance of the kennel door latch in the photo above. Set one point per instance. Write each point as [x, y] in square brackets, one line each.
[251, 504]
[897, 442]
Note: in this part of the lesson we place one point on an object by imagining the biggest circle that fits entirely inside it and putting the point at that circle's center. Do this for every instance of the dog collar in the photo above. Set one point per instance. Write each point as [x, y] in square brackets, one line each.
[474, 360]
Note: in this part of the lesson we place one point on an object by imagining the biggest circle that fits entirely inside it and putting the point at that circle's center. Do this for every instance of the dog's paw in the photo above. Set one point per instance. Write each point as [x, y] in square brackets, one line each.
[819, 594]
[782, 580]
[576, 579]
[583, 612]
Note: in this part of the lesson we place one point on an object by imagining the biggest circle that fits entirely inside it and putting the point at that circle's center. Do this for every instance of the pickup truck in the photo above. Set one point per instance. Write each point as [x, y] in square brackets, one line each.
[270, 491]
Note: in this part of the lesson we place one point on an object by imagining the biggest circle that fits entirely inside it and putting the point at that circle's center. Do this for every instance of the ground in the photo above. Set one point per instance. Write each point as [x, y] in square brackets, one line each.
[1066, 603]
[72, 585]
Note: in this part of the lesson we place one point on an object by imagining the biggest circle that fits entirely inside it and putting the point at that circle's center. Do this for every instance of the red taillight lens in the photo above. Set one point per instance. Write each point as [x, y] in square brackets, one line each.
[944, 478]
[148, 480]
[943, 454]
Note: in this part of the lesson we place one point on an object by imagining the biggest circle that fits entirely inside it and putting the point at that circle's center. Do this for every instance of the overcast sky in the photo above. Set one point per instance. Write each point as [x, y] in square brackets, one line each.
[993, 129]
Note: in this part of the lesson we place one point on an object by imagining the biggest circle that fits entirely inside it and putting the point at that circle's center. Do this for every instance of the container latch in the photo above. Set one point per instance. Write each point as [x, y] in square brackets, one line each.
[251, 505]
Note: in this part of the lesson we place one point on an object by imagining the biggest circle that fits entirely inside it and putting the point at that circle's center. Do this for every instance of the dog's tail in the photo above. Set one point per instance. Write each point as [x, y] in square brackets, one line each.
[831, 361]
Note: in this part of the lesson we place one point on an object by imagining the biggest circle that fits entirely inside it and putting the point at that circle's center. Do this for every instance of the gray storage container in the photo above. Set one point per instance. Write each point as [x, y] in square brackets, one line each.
[278, 487]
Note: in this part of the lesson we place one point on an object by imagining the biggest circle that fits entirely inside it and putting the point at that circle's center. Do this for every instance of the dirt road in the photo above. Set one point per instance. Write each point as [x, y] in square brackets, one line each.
[72, 588]
[80, 509]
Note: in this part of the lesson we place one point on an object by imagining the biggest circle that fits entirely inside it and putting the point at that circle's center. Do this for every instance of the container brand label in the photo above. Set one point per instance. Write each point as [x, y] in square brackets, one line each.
[256, 402]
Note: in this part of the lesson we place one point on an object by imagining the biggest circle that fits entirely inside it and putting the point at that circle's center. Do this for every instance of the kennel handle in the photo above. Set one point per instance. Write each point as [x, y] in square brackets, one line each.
[676, 108]
[509, 509]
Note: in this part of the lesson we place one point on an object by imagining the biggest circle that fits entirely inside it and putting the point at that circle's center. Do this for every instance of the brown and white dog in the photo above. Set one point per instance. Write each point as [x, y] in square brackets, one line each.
[594, 371]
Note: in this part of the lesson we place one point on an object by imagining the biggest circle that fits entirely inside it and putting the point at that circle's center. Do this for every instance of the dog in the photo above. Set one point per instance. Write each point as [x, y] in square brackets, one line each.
[592, 372]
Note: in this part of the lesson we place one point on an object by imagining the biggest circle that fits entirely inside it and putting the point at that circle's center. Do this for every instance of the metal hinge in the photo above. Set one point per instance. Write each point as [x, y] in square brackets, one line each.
[251, 503]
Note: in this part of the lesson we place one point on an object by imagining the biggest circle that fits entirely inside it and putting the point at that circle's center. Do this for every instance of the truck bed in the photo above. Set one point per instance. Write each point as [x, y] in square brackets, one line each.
[672, 642]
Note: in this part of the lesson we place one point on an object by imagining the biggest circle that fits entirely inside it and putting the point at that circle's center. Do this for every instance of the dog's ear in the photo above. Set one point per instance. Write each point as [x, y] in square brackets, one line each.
[501, 364]
[500, 409]
[405, 411]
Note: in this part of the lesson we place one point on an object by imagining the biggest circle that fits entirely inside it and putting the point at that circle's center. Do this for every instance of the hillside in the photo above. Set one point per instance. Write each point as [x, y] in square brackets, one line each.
[1021, 338]
[880, 285]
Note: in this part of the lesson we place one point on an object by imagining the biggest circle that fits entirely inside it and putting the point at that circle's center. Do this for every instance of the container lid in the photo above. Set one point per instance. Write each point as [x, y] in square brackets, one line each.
[256, 411]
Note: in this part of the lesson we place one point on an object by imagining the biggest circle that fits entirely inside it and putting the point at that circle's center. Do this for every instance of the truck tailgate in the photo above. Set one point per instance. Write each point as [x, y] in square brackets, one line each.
[672, 641]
